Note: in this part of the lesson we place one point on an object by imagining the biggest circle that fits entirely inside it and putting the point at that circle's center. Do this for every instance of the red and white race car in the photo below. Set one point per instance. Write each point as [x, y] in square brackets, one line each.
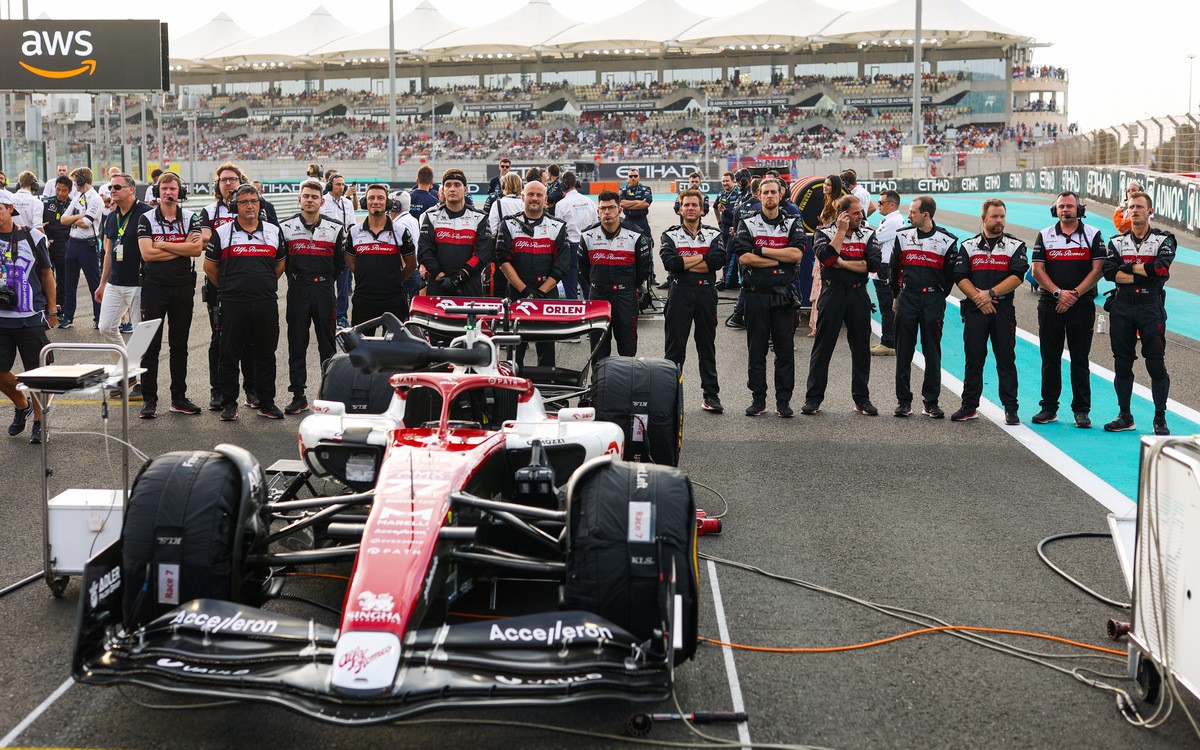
[522, 562]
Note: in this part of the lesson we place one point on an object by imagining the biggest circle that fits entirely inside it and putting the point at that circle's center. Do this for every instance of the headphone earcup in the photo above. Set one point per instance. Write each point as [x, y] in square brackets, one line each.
[1082, 210]
[1054, 211]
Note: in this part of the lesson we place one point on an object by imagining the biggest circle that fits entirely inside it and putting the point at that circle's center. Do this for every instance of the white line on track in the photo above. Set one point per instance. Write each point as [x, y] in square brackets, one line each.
[735, 688]
[1074, 472]
[35, 713]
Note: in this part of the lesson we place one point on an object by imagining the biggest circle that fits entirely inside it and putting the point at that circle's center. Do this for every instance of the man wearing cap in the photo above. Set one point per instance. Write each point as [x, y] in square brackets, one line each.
[455, 244]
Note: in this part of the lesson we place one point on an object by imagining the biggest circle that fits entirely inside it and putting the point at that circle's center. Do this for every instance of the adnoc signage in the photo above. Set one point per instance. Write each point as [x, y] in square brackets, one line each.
[83, 55]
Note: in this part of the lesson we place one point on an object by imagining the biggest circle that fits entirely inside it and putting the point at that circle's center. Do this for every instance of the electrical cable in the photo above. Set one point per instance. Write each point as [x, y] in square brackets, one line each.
[716, 492]
[1041, 551]
[21, 583]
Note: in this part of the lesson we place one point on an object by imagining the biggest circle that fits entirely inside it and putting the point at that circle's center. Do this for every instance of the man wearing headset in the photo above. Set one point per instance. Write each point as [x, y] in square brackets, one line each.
[212, 217]
[339, 207]
[244, 259]
[1139, 261]
[1068, 261]
[84, 218]
[380, 255]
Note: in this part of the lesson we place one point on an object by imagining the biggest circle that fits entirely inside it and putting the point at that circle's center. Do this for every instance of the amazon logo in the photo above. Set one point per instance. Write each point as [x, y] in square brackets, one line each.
[54, 44]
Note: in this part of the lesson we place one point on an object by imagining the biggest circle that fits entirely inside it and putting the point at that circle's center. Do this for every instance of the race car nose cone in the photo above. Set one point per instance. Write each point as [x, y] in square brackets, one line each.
[365, 661]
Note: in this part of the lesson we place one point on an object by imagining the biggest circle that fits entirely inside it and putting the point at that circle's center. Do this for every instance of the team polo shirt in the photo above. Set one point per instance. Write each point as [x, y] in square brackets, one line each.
[379, 259]
[924, 260]
[1068, 257]
[154, 226]
[314, 251]
[246, 261]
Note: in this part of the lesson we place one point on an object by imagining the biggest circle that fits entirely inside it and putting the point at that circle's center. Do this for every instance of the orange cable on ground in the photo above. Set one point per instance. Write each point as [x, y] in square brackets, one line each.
[922, 631]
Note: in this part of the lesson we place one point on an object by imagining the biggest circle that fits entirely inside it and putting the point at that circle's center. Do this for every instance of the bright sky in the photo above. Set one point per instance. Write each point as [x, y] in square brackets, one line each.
[1127, 61]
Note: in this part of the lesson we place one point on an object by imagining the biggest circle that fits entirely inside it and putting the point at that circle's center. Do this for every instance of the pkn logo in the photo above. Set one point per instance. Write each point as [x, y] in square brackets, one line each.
[58, 43]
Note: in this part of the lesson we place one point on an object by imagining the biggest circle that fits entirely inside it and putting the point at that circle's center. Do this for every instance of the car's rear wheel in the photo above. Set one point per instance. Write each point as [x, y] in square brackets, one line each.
[644, 397]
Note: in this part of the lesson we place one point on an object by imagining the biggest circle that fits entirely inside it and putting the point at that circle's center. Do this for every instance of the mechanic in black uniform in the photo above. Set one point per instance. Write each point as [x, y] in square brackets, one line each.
[57, 233]
[769, 244]
[614, 259]
[921, 277]
[316, 255]
[169, 240]
[693, 254]
[635, 204]
[1139, 261]
[532, 253]
[1068, 261]
[693, 184]
[847, 251]
[244, 260]
[748, 204]
[212, 217]
[991, 265]
[728, 218]
[381, 255]
[455, 245]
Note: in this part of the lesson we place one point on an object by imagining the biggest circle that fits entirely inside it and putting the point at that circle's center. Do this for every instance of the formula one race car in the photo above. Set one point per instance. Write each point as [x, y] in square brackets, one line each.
[518, 563]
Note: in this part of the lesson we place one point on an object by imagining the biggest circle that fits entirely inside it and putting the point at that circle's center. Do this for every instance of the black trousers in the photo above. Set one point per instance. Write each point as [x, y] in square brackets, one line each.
[214, 347]
[841, 305]
[309, 304]
[1001, 328]
[248, 327]
[623, 326]
[692, 308]
[173, 303]
[1075, 327]
[883, 291]
[919, 314]
[545, 349]
[766, 325]
[1128, 321]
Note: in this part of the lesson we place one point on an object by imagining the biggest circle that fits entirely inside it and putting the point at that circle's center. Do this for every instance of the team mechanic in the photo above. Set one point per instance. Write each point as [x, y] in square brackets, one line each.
[337, 205]
[991, 265]
[1139, 261]
[455, 244]
[768, 246]
[212, 217]
[692, 254]
[244, 260]
[847, 250]
[635, 203]
[614, 259]
[1068, 260]
[921, 278]
[381, 255]
[316, 255]
[727, 221]
[169, 240]
[532, 253]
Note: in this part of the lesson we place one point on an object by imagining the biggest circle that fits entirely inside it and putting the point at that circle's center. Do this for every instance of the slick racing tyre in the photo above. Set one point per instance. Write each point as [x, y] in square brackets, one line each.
[631, 549]
[181, 539]
[808, 196]
[644, 397]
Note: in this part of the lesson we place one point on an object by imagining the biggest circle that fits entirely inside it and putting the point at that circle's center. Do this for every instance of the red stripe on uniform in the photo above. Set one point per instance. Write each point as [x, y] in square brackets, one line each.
[918, 258]
[309, 247]
[375, 248]
[534, 245]
[249, 251]
[449, 236]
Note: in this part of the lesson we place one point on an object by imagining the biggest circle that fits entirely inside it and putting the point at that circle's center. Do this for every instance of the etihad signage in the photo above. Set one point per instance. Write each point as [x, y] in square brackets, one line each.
[83, 55]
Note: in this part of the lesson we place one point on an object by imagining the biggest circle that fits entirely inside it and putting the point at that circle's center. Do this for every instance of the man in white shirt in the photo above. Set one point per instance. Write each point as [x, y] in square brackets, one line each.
[891, 220]
[28, 206]
[578, 213]
[850, 182]
[83, 246]
[48, 190]
[337, 206]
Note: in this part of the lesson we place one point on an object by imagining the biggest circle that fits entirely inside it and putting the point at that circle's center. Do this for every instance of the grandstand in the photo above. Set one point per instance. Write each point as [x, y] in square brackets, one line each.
[804, 78]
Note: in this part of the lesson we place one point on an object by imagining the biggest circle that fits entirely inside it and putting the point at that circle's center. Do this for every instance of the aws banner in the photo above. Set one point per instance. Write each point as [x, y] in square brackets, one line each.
[83, 55]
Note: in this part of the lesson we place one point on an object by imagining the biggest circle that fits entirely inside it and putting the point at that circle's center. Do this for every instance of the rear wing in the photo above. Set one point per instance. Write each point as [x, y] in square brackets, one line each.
[531, 319]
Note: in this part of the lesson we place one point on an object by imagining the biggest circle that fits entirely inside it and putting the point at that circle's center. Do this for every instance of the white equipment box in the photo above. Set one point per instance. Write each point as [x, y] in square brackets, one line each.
[80, 524]
[1166, 576]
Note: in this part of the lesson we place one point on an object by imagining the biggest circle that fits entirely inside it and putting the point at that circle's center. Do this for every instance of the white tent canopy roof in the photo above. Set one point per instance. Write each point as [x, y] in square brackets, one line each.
[524, 30]
[414, 30]
[788, 23]
[648, 24]
[208, 40]
[948, 20]
[296, 41]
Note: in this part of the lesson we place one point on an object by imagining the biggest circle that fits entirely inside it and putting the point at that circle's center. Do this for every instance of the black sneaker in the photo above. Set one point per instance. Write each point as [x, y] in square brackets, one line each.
[20, 417]
[1082, 420]
[713, 404]
[252, 400]
[1160, 424]
[866, 408]
[963, 414]
[785, 411]
[810, 408]
[183, 405]
[229, 412]
[756, 409]
[135, 393]
[216, 403]
[149, 409]
[66, 323]
[35, 435]
[270, 411]
[1121, 423]
[1011, 418]
[299, 404]
[737, 320]
[932, 410]
[902, 410]
[1045, 416]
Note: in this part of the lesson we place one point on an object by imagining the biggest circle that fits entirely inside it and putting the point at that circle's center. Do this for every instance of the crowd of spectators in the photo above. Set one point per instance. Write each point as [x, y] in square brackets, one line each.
[1035, 71]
